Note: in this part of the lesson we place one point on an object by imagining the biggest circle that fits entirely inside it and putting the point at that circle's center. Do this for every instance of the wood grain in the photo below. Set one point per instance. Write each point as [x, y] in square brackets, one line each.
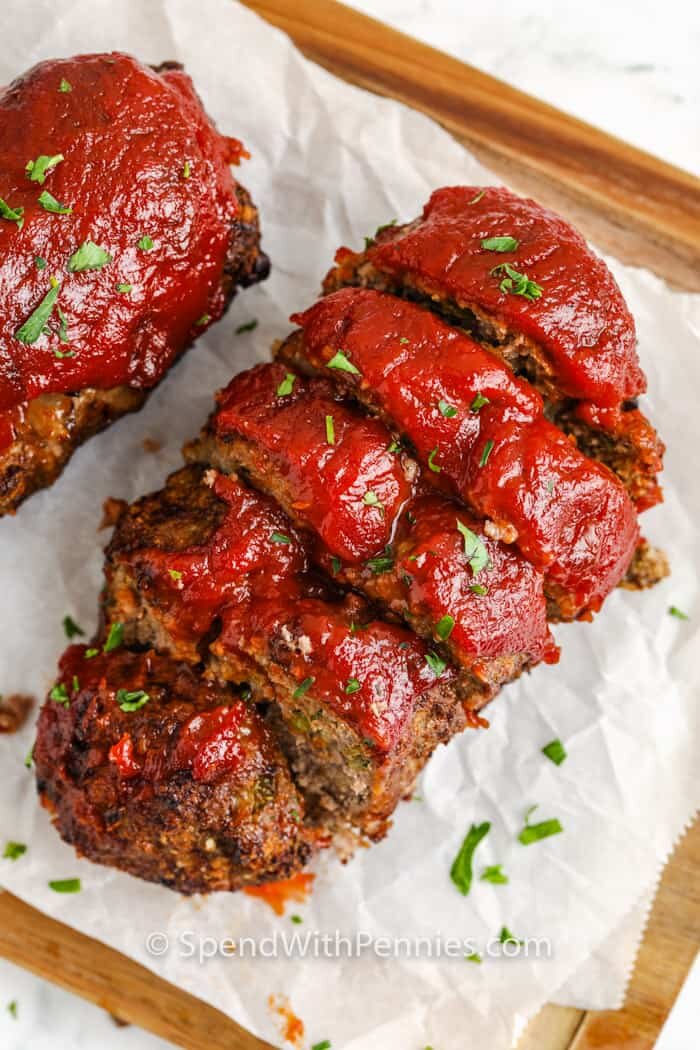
[642, 210]
[631, 203]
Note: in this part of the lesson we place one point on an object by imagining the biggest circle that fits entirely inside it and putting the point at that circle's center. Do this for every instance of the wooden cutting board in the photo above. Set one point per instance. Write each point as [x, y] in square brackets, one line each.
[633, 205]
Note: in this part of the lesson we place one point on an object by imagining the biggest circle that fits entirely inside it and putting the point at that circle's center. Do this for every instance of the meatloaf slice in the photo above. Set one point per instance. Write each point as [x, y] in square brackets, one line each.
[525, 284]
[213, 573]
[341, 477]
[106, 279]
[147, 767]
[480, 432]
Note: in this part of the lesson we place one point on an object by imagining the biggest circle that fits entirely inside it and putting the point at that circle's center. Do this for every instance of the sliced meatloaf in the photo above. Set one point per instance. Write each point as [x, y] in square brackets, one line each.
[149, 768]
[480, 433]
[525, 284]
[340, 476]
[213, 573]
[123, 236]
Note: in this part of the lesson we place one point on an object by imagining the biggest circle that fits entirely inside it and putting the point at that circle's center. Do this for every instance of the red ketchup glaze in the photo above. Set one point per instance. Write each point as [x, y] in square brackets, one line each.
[581, 319]
[211, 744]
[126, 134]
[369, 674]
[573, 517]
[245, 555]
[331, 482]
[497, 610]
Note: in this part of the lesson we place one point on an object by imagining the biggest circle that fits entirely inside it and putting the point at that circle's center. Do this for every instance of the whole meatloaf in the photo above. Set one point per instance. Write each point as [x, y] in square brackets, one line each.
[523, 282]
[150, 768]
[123, 236]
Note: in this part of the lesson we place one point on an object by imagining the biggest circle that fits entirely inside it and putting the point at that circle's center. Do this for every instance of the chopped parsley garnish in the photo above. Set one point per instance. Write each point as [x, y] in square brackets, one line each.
[71, 627]
[476, 199]
[12, 1009]
[448, 411]
[296, 919]
[90, 653]
[131, 701]
[382, 563]
[65, 86]
[115, 637]
[62, 331]
[394, 446]
[673, 610]
[386, 226]
[534, 832]
[343, 363]
[404, 340]
[302, 688]
[287, 385]
[486, 452]
[60, 354]
[517, 283]
[495, 875]
[11, 214]
[29, 758]
[145, 244]
[478, 588]
[49, 203]
[444, 627]
[40, 263]
[352, 686]
[37, 321]
[479, 402]
[474, 958]
[325, 1044]
[124, 289]
[436, 663]
[279, 537]
[65, 885]
[550, 486]
[204, 319]
[431, 462]
[506, 937]
[59, 694]
[249, 326]
[500, 244]
[474, 549]
[461, 870]
[14, 850]
[89, 256]
[38, 169]
[336, 565]
[371, 499]
[555, 752]
[186, 170]
[330, 430]
[174, 574]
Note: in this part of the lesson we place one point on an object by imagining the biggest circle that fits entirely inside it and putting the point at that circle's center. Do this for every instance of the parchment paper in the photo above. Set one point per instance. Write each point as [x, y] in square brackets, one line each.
[329, 164]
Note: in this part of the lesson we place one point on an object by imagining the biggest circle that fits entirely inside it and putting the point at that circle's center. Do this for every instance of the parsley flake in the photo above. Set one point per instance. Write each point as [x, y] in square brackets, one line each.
[89, 256]
[145, 244]
[447, 410]
[325, 1044]
[495, 875]
[14, 850]
[174, 574]
[302, 688]
[249, 326]
[500, 244]
[40, 263]
[436, 663]
[90, 653]
[382, 563]
[474, 958]
[486, 452]
[352, 686]
[342, 363]
[12, 1009]
[330, 430]
[517, 283]
[59, 694]
[65, 86]
[124, 289]
[38, 169]
[555, 752]
[371, 499]
[461, 870]
[34, 326]
[71, 628]
[476, 199]
[474, 549]
[506, 937]
[186, 170]
[432, 465]
[11, 214]
[49, 203]
[444, 627]
[479, 402]
[673, 610]
[131, 701]
[535, 832]
[287, 385]
[115, 638]
[65, 885]
[279, 537]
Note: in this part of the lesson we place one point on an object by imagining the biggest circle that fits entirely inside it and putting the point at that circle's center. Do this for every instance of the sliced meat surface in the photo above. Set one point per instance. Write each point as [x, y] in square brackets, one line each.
[524, 282]
[342, 477]
[480, 433]
[123, 235]
[149, 768]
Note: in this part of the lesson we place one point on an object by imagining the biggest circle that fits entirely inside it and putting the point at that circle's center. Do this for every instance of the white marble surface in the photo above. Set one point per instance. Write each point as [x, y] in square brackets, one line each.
[630, 66]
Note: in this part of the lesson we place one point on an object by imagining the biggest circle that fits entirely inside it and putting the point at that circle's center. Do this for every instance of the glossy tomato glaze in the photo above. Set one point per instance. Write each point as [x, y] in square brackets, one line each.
[581, 319]
[329, 482]
[251, 575]
[324, 485]
[573, 518]
[210, 744]
[370, 674]
[140, 159]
